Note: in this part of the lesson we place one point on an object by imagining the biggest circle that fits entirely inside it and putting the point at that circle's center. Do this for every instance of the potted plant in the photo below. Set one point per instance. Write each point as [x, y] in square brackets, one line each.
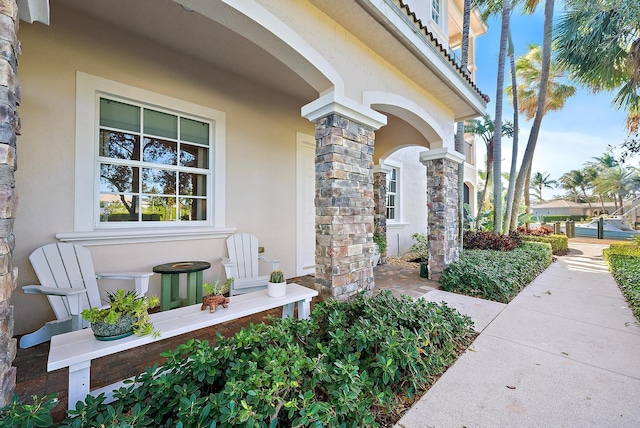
[214, 295]
[421, 249]
[380, 241]
[126, 314]
[277, 286]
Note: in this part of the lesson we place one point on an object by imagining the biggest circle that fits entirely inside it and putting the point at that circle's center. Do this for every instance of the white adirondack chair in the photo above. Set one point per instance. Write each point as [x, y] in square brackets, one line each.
[242, 264]
[69, 282]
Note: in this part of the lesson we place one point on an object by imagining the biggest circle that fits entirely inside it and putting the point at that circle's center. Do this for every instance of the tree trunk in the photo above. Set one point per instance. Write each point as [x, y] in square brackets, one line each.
[497, 135]
[525, 168]
[461, 145]
[514, 155]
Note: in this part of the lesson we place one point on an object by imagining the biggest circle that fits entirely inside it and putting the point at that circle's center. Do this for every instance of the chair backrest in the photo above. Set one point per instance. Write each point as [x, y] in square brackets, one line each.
[66, 266]
[243, 252]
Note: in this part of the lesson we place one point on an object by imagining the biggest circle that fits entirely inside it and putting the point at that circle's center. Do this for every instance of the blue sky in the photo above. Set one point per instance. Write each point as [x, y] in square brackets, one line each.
[568, 138]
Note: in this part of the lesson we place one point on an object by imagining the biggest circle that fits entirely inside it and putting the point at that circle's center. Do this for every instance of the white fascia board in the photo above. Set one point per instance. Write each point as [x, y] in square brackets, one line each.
[426, 51]
[334, 103]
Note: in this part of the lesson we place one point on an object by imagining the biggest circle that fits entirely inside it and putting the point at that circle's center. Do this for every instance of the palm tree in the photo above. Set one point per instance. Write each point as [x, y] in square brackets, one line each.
[497, 144]
[541, 180]
[617, 182]
[568, 181]
[528, 69]
[485, 129]
[545, 65]
[514, 151]
[599, 43]
[577, 181]
[460, 143]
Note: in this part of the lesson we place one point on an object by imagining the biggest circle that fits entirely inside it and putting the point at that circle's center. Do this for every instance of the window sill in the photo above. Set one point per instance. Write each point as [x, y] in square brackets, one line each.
[135, 236]
[396, 225]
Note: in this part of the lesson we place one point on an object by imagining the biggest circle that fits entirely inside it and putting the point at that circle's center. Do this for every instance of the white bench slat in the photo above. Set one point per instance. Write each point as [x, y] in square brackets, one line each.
[76, 349]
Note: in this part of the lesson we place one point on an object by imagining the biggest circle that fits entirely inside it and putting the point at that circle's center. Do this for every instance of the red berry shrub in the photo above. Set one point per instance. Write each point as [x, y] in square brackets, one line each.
[479, 240]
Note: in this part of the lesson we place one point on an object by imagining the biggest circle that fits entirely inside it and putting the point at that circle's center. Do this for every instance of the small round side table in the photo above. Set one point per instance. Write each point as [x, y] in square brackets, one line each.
[170, 283]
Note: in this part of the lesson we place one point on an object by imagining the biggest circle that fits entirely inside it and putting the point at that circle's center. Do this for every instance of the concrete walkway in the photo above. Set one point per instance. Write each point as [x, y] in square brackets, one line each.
[564, 353]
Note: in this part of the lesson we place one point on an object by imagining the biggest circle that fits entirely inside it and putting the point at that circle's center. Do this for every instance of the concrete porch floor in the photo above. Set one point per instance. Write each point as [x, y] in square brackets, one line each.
[31, 363]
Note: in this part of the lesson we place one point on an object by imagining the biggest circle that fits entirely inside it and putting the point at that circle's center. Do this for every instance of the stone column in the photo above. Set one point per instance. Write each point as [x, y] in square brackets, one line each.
[442, 205]
[9, 127]
[380, 199]
[345, 132]
[344, 206]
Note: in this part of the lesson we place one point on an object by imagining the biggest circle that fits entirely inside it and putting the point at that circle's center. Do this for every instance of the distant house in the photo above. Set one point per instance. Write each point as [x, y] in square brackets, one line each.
[560, 207]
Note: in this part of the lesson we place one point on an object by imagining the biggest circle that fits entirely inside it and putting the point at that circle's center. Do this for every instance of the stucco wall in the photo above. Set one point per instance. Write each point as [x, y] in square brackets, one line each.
[260, 148]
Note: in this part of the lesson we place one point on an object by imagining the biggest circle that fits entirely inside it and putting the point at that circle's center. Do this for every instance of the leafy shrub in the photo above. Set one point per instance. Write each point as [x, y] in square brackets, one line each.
[496, 275]
[543, 230]
[559, 243]
[352, 364]
[624, 264]
[481, 240]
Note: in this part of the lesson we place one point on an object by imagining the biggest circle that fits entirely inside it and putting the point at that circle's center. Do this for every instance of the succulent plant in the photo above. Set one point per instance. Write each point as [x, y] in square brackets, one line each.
[276, 276]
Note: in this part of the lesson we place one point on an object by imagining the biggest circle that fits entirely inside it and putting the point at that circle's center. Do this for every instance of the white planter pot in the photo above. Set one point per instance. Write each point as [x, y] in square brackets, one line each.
[376, 255]
[276, 289]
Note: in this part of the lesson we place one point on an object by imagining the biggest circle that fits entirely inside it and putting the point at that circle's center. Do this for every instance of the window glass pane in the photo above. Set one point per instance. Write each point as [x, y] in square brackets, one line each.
[160, 124]
[194, 131]
[118, 178]
[391, 214]
[192, 209]
[119, 115]
[118, 208]
[158, 181]
[193, 156]
[160, 151]
[392, 187]
[192, 184]
[158, 208]
[119, 145]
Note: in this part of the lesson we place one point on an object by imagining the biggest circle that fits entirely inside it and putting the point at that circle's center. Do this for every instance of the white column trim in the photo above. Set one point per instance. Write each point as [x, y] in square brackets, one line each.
[442, 153]
[334, 103]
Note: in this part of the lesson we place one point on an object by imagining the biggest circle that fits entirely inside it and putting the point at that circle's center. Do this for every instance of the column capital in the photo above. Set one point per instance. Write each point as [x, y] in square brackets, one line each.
[382, 167]
[442, 153]
[334, 103]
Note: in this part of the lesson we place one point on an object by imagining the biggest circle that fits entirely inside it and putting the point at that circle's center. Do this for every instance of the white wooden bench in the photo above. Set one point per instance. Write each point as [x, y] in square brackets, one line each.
[77, 349]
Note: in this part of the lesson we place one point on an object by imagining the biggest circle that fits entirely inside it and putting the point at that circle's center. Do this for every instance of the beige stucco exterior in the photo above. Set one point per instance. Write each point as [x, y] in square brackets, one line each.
[308, 53]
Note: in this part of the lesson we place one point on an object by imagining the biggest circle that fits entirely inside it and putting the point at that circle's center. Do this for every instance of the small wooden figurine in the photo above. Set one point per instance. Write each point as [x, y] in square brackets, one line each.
[212, 302]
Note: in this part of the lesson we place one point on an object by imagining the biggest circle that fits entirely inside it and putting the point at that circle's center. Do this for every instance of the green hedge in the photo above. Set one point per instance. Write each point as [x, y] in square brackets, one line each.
[559, 243]
[359, 363]
[496, 275]
[624, 263]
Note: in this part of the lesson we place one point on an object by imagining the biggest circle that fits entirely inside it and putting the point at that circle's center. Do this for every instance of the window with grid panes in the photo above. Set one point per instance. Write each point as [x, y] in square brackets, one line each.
[392, 194]
[435, 11]
[154, 165]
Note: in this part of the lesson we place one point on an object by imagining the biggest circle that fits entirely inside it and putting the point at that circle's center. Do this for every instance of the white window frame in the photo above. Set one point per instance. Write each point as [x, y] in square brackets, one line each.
[396, 194]
[440, 27]
[385, 166]
[87, 228]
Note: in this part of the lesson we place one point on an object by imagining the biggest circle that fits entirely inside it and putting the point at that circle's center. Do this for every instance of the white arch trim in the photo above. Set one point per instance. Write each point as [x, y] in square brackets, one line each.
[407, 110]
[283, 34]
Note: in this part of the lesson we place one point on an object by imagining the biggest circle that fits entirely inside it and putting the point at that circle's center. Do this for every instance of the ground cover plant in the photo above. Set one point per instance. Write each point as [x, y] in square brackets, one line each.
[352, 364]
[496, 275]
[624, 264]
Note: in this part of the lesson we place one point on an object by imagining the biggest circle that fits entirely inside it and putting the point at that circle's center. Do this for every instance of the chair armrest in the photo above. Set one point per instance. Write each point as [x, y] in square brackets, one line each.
[53, 291]
[141, 279]
[275, 264]
[229, 267]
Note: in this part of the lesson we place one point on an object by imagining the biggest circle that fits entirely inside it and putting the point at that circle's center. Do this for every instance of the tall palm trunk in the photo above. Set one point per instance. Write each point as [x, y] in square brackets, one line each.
[460, 144]
[514, 154]
[484, 196]
[497, 143]
[537, 121]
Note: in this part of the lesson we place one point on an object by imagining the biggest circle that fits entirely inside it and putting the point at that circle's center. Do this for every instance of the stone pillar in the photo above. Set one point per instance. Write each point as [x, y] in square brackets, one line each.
[9, 127]
[344, 207]
[442, 205]
[380, 200]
